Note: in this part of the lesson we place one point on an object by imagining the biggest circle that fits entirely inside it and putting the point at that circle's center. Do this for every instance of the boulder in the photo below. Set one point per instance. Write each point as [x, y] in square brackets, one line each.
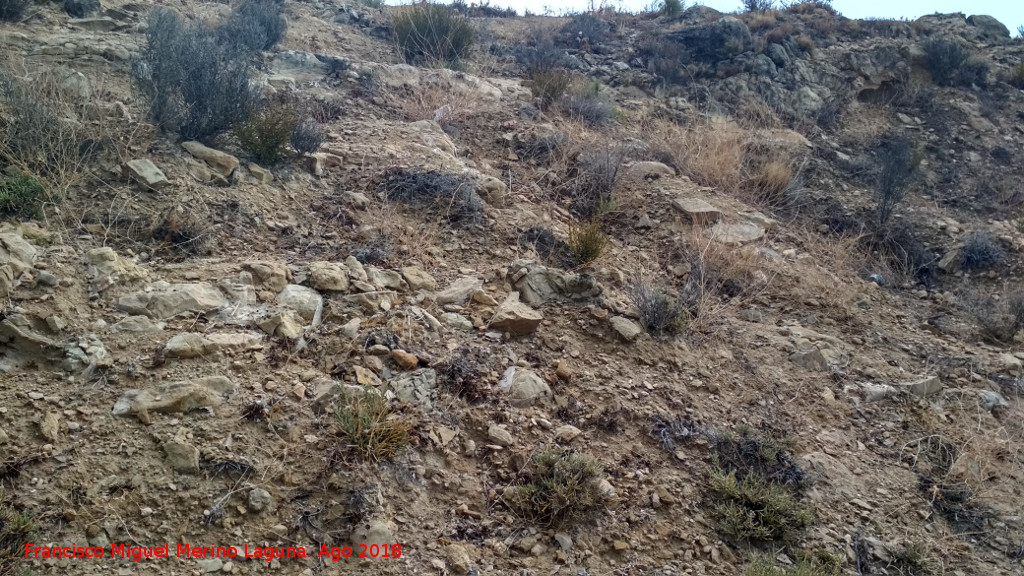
[163, 300]
[626, 328]
[328, 276]
[514, 317]
[16, 257]
[269, 275]
[307, 302]
[222, 162]
[188, 345]
[989, 28]
[538, 284]
[923, 388]
[459, 291]
[106, 268]
[417, 279]
[648, 169]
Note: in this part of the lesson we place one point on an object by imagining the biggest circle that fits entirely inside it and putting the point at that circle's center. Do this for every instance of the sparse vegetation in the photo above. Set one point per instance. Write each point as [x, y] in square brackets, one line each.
[806, 565]
[13, 10]
[998, 319]
[454, 193]
[584, 29]
[367, 428]
[308, 136]
[950, 64]
[466, 373]
[589, 105]
[548, 84]
[197, 83]
[1016, 76]
[672, 8]
[756, 510]
[898, 160]
[587, 242]
[256, 24]
[428, 33]
[16, 530]
[912, 559]
[980, 251]
[37, 136]
[21, 196]
[184, 230]
[81, 8]
[758, 5]
[660, 313]
[772, 182]
[596, 177]
[559, 487]
[266, 133]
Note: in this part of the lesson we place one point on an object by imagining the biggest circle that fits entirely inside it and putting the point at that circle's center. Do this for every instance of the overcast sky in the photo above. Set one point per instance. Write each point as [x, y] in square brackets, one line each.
[1009, 12]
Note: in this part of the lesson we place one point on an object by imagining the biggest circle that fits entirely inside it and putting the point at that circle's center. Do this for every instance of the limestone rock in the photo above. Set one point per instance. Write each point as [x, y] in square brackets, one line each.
[106, 268]
[626, 328]
[270, 275]
[524, 387]
[811, 359]
[373, 532]
[698, 211]
[648, 169]
[260, 174]
[459, 291]
[418, 279]
[182, 456]
[222, 162]
[515, 317]
[182, 396]
[16, 257]
[188, 345]
[499, 435]
[328, 276]
[927, 387]
[306, 301]
[493, 191]
[737, 233]
[567, 433]
[165, 300]
[146, 173]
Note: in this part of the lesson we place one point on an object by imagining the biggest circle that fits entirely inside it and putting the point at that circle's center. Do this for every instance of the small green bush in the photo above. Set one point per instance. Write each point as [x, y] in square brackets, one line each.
[366, 428]
[428, 33]
[587, 242]
[13, 10]
[806, 565]
[756, 510]
[561, 486]
[21, 196]
[267, 132]
[549, 84]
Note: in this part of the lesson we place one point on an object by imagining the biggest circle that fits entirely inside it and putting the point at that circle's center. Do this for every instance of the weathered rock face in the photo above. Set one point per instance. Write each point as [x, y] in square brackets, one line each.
[181, 396]
[515, 317]
[989, 28]
[165, 300]
[16, 256]
[538, 284]
[419, 388]
[222, 162]
[716, 40]
[524, 387]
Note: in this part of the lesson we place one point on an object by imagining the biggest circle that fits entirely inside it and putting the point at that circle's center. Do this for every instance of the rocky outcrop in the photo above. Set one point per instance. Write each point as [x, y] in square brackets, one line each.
[538, 284]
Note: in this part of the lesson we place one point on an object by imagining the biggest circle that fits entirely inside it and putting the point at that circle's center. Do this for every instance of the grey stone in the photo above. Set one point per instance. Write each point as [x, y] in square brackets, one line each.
[992, 401]
[457, 321]
[181, 456]
[649, 169]
[626, 328]
[514, 317]
[811, 359]
[146, 173]
[459, 291]
[989, 28]
[537, 284]
[698, 211]
[307, 302]
[524, 387]
[499, 435]
[567, 433]
[16, 258]
[259, 499]
[927, 387]
[737, 233]
[373, 532]
[418, 387]
[188, 345]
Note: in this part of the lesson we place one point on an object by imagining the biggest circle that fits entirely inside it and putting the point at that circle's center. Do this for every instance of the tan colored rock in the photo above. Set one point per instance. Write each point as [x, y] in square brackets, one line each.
[260, 174]
[222, 162]
[647, 169]
[328, 276]
[404, 360]
[269, 275]
[515, 317]
[144, 172]
[698, 211]
[418, 279]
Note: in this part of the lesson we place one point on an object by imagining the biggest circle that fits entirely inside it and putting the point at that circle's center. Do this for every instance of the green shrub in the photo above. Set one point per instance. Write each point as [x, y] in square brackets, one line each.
[21, 196]
[13, 10]
[587, 242]
[756, 510]
[366, 428]
[806, 565]
[428, 33]
[267, 132]
[561, 486]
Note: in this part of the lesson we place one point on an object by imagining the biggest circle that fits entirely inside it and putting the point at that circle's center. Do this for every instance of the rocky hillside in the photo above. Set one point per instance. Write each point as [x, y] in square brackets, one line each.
[465, 292]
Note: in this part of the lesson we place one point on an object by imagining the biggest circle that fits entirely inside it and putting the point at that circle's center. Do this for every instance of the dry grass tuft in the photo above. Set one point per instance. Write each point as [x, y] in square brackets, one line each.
[711, 153]
[772, 182]
[587, 242]
[366, 427]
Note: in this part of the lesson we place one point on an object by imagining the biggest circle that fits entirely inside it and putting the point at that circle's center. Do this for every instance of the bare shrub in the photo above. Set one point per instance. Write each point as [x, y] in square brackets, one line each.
[591, 106]
[980, 251]
[583, 29]
[256, 24]
[596, 177]
[950, 64]
[197, 84]
[660, 313]
[772, 181]
[758, 5]
[13, 10]
[548, 84]
[454, 193]
[998, 319]
[308, 136]
[898, 159]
